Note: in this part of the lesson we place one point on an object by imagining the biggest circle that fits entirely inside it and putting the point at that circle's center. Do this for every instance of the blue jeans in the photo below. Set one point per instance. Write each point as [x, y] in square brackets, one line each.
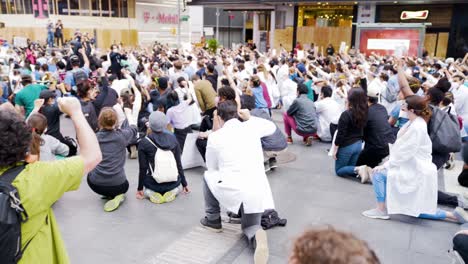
[346, 159]
[50, 39]
[379, 182]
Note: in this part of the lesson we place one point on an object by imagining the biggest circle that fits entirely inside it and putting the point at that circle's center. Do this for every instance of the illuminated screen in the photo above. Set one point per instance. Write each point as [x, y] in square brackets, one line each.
[399, 42]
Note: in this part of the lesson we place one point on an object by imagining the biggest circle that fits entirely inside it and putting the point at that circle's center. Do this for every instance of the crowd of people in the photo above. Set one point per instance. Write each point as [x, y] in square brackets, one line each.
[392, 122]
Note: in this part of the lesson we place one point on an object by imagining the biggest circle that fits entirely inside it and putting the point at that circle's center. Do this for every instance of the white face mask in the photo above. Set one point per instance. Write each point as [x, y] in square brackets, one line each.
[115, 50]
[455, 85]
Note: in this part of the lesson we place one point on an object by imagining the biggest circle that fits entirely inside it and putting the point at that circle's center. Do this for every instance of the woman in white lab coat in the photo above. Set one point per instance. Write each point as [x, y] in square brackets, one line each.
[407, 183]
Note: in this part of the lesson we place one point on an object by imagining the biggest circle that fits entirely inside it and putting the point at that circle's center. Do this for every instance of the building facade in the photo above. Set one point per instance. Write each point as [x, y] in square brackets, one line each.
[272, 23]
[111, 21]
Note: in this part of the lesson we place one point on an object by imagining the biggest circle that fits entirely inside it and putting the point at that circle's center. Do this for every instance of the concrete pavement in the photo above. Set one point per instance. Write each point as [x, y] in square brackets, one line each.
[306, 192]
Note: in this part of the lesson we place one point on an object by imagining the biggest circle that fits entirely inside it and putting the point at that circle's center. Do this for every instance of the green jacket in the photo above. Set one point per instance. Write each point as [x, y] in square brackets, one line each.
[40, 185]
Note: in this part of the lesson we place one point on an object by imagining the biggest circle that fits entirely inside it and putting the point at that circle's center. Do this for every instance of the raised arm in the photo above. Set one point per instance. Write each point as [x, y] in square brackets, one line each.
[90, 151]
[402, 81]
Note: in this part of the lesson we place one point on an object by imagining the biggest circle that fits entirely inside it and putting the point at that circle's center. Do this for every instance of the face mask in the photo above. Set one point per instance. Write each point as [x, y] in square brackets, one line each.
[408, 71]
[115, 50]
[455, 85]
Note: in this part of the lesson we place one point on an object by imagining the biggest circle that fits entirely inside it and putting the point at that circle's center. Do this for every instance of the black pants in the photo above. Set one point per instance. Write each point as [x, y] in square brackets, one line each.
[201, 146]
[372, 157]
[463, 178]
[460, 244]
[447, 199]
[181, 135]
[109, 191]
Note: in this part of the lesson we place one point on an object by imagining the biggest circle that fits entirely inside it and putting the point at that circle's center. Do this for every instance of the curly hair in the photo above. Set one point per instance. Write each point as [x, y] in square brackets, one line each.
[15, 138]
[329, 246]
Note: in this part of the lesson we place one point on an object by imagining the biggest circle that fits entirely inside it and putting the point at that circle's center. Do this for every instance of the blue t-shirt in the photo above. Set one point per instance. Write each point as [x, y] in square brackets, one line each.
[396, 114]
[259, 99]
[69, 80]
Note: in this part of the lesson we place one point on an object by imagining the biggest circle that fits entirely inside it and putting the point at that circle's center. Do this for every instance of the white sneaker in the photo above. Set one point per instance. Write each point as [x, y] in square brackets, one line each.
[376, 214]
[261, 250]
[363, 173]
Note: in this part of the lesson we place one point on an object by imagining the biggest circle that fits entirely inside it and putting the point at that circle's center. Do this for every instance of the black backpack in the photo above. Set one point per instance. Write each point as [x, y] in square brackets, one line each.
[90, 114]
[12, 214]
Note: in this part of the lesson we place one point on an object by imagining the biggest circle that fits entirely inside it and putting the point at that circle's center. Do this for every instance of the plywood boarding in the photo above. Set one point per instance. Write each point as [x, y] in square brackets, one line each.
[322, 36]
[442, 45]
[430, 41]
[283, 36]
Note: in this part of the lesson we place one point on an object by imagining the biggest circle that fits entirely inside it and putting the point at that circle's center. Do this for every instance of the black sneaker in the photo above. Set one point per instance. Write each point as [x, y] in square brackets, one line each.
[234, 218]
[213, 225]
[273, 163]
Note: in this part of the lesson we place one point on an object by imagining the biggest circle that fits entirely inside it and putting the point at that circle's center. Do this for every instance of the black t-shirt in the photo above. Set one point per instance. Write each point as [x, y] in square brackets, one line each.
[348, 132]
[52, 113]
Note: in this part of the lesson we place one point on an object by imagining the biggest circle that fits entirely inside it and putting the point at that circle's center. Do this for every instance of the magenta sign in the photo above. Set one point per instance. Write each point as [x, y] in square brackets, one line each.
[161, 18]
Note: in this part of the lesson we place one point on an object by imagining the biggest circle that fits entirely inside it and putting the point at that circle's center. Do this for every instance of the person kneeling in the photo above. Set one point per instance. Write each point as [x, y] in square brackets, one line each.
[235, 177]
[301, 117]
[159, 156]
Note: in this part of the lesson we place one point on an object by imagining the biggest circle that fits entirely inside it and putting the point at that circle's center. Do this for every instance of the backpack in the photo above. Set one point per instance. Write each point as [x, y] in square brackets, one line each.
[12, 214]
[90, 114]
[444, 132]
[165, 166]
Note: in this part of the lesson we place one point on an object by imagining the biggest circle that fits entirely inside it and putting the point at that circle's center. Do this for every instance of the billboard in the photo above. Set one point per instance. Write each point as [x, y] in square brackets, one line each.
[384, 40]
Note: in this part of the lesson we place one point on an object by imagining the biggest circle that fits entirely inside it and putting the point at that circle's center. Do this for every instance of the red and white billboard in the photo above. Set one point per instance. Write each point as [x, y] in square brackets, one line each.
[398, 42]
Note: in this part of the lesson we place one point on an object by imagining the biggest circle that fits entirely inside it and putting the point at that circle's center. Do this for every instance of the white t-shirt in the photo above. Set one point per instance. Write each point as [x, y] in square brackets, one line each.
[328, 112]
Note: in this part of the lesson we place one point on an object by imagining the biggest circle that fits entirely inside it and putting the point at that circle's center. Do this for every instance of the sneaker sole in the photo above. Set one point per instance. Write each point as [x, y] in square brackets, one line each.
[113, 204]
[261, 252]
[216, 230]
[377, 217]
[169, 197]
[157, 200]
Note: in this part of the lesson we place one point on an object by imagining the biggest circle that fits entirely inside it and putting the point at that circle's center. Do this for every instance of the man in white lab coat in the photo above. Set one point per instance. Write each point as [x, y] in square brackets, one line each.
[235, 177]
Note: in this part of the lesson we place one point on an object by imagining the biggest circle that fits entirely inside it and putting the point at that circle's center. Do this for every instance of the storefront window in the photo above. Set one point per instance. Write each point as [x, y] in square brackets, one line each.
[74, 7]
[123, 8]
[51, 7]
[84, 8]
[115, 8]
[62, 7]
[95, 8]
[326, 16]
[105, 8]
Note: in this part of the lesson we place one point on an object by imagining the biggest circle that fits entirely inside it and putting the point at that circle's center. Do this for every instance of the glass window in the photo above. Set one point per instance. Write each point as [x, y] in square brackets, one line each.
[114, 8]
[74, 7]
[95, 8]
[105, 7]
[3, 4]
[62, 7]
[280, 19]
[327, 17]
[84, 7]
[124, 8]
[51, 7]
[28, 7]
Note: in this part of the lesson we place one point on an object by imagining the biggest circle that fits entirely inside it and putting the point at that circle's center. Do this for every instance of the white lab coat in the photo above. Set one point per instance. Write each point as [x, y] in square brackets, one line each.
[328, 112]
[288, 93]
[411, 175]
[234, 160]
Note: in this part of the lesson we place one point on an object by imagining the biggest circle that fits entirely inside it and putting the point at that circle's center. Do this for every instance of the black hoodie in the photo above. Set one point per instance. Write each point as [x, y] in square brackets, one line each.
[146, 152]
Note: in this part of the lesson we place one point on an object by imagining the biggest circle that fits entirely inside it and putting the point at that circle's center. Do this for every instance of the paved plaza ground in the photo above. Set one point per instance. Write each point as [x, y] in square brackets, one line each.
[306, 191]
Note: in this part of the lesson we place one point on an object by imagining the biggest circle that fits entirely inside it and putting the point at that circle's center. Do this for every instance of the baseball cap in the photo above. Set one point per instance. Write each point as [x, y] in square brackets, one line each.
[80, 77]
[158, 121]
[46, 94]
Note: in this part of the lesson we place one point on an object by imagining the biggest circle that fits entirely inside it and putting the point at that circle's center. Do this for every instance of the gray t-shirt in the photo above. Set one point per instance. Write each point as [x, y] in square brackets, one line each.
[113, 143]
[52, 147]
